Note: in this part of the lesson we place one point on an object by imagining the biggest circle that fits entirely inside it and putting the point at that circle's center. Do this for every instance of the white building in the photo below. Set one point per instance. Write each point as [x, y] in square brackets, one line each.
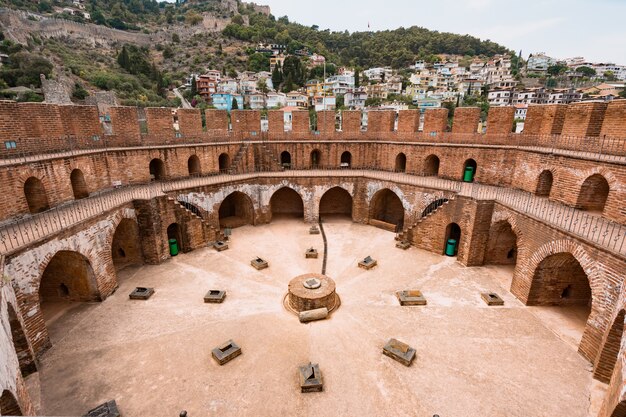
[339, 84]
[539, 62]
[276, 100]
[378, 74]
[355, 99]
[322, 103]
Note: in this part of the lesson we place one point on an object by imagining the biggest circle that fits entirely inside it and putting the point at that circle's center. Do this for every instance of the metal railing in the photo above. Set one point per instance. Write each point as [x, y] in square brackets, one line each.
[18, 233]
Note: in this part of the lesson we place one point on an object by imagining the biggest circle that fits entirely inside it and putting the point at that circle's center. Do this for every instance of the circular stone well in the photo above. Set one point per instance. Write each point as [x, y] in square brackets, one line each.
[312, 291]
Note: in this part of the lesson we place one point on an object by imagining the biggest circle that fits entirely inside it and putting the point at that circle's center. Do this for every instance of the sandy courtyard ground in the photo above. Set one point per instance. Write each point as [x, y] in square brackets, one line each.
[153, 357]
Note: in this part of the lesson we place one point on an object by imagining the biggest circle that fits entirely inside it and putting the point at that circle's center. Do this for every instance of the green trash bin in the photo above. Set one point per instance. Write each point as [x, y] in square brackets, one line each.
[451, 247]
[468, 175]
[173, 247]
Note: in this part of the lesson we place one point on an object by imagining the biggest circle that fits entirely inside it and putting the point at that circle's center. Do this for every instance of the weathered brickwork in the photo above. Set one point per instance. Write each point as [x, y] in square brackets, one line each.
[551, 267]
[435, 120]
[584, 119]
[500, 120]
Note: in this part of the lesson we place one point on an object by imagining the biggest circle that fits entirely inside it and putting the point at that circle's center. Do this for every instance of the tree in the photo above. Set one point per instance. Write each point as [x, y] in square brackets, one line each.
[357, 81]
[258, 62]
[194, 87]
[277, 76]
[261, 85]
[557, 69]
[622, 93]
[175, 38]
[587, 71]
[123, 58]
[237, 19]
[234, 104]
[610, 76]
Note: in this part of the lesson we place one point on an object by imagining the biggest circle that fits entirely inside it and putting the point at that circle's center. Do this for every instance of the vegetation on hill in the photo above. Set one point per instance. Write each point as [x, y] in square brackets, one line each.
[397, 48]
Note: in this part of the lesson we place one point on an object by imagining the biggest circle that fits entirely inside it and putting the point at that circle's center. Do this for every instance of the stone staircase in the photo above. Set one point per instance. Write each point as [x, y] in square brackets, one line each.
[191, 214]
[265, 160]
[234, 166]
[407, 233]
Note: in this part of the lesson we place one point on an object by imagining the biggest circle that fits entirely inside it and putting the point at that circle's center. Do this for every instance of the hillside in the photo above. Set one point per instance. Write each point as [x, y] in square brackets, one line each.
[173, 40]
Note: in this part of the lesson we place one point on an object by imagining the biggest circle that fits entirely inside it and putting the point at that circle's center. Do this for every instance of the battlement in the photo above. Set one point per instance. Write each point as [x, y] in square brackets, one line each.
[39, 128]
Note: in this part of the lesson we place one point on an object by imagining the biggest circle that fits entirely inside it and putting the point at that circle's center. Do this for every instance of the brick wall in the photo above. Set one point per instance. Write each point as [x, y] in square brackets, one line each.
[408, 122]
[81, 121]
[216, 121]
[125, 125]
[435, 120]
[500, 120]
[160, 121]
[545, 119]
[190, 122]
[246, 121]
[380, 121]
[351, 123]
[614, 123]
[584, 119]
[466, 120]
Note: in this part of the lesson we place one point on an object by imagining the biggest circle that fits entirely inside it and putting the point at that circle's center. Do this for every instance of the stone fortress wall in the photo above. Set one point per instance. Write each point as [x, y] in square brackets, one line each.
[552, 199]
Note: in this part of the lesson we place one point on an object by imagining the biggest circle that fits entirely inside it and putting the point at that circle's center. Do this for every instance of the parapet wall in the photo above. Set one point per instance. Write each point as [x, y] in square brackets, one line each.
[41, 128]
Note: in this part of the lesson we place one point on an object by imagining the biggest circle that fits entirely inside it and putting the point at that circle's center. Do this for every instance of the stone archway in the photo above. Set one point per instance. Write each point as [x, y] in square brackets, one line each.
[346, 160]
[453, 231]
[126, 245]
[559, 280]
[79, 186]
[386, 210]
[36, 196]
[316, 158]
[286, 202]
[285, 159]
[336, 202]
[469, 163]
[236, 210]
[174, 231]
[502, 244]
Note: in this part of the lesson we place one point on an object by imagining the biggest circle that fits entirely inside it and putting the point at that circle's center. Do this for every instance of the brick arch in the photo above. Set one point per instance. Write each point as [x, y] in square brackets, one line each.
[387, 207]
[9, 405]
[603, 369]
[115, 221]
[236, 209]
[502, 248]
[92, 281]
[606, 173]
[21, 344]
[286, 201]
[539, 188]
[594, 328]
[336, 201]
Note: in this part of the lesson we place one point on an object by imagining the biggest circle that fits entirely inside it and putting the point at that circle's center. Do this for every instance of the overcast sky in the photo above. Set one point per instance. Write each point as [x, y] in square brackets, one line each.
[595, 29]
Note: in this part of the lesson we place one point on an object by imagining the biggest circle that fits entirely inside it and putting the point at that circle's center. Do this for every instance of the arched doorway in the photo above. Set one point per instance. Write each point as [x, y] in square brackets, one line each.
[126, 245]
[346, 160]
[79, 186]
[469, 170]
[400, 165]
[560, 281]
[36, 196]
[286, 202]
[285, 159]
[316, 159]
[157, 170]
[236, 210]
[9, 405]
[453, 232]
[174, 232]
[431, 166]
[193, 165]
[593, 194]
[432, 207]
[224, 163]
[336, 202]
[502, 244]
[386, 207]
[544, 184]
[610, 351]
[20, 344]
